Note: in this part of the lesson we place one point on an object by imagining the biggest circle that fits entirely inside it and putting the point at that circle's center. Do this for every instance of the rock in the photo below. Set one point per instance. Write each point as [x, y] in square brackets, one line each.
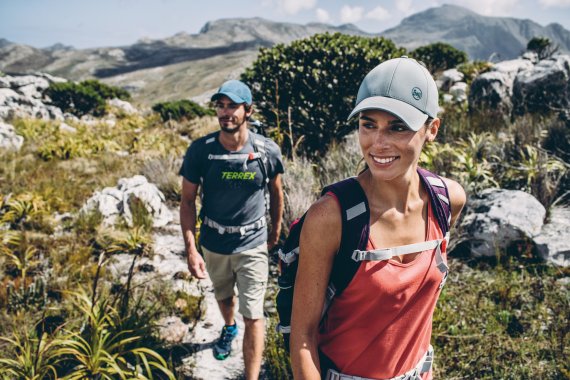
[172, 329]
[530, 56]
[543, 87]
[67, 128]
[123, 106]
[22, 96]
[499, 219]
[8, 95]
[9, 139]
[459, 91]
[493, 90]
[113, 202]
[553, 242]
[447, 98]
[449, 77]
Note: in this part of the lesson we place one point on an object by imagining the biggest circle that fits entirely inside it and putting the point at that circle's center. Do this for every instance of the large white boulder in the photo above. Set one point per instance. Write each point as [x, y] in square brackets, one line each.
[113, 202]
[494, 89]
[543, 87]
[9, 139]
[497, 219]
[123, 105]
[553, 242]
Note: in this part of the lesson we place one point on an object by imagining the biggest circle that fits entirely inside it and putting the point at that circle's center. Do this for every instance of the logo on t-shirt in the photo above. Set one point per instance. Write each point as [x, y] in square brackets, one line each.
[243, 176]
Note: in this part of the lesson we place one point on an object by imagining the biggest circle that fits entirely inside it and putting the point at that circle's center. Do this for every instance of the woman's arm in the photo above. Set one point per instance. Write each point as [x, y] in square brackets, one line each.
[319, 243]
[457, 198]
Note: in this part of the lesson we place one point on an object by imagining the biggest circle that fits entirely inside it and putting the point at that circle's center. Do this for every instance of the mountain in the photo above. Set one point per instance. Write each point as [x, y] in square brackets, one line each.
[184, 65]
[479, 36]
[193, 65]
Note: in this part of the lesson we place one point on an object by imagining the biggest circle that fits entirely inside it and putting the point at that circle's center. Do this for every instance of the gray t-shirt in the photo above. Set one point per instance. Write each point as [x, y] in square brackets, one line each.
[232, 190]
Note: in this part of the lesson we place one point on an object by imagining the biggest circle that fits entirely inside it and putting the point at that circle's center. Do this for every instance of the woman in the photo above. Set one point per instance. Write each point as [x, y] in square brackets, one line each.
[380, 326]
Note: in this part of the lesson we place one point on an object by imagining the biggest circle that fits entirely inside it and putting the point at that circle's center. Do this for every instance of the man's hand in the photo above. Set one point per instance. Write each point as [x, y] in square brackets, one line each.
[273, 239]
[196, 266]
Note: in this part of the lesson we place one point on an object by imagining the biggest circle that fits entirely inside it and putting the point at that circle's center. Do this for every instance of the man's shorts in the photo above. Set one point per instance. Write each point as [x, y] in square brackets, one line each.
[248, 270]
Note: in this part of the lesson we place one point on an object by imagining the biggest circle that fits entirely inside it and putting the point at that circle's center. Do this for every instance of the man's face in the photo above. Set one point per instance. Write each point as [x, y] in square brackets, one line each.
[231, 116]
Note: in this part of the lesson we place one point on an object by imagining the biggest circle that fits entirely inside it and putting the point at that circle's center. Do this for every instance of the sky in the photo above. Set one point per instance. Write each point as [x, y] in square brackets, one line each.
[103, 23]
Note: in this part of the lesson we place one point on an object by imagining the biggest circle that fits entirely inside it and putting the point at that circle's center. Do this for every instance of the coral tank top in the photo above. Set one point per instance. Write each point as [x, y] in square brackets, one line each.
[380, 326]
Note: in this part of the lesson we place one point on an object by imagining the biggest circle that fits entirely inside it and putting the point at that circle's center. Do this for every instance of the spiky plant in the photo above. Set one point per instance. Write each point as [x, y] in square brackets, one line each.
[99, 351]
[30, 357]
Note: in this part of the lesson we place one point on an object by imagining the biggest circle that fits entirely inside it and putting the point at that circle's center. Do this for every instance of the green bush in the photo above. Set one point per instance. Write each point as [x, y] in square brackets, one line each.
[307, 89]
[472, 69]
[85, 98]
[106, 91]
[542, 46]
[180, 110]
[439, 56]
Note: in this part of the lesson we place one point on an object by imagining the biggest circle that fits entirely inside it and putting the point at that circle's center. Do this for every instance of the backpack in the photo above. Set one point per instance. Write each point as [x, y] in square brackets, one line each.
[259, 153]
[354, 239]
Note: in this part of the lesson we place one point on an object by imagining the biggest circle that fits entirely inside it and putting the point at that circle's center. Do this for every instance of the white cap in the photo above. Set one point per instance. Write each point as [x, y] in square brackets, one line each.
[402, 87]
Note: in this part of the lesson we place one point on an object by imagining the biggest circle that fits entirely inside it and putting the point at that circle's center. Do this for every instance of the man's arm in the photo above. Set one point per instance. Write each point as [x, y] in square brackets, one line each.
[196, 263]
[275, 210]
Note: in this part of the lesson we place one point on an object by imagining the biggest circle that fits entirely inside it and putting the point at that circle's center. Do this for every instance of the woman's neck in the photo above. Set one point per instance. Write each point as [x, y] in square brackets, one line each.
[401, 193]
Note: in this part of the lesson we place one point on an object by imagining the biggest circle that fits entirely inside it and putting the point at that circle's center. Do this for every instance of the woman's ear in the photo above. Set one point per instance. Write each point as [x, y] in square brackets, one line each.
[432, 129]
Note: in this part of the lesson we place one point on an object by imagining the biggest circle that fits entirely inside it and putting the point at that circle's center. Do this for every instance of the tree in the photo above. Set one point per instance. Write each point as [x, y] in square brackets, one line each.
[542, 46]
[439, 56]
[307, 89]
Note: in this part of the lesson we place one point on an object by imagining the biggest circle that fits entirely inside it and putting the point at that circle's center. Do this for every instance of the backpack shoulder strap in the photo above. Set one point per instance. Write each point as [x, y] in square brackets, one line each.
[258, 143]
[355, 230]
[439, 196]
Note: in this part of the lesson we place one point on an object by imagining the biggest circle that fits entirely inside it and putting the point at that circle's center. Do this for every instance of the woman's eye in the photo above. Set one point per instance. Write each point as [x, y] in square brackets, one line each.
[399, 128]
[367, 126]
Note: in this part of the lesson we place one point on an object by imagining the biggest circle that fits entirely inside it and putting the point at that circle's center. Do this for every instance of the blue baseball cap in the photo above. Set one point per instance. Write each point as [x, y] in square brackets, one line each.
[402, 87]
[236, 90]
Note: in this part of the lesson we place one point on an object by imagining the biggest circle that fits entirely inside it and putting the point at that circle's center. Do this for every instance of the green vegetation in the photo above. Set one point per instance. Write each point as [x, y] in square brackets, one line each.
[511, 309]
[181, 110]
[85, 98]
[542, 46]
[306, 90]
[439, 56]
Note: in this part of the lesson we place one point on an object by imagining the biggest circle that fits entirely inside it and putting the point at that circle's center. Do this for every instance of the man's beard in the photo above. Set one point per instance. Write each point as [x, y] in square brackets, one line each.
[231, 130]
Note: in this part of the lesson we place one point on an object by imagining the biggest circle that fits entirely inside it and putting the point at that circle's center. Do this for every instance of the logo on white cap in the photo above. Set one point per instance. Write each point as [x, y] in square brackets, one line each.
[416, 93]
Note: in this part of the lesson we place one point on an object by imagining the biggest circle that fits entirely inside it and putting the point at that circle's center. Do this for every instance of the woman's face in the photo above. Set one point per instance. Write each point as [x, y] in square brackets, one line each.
[389, 147]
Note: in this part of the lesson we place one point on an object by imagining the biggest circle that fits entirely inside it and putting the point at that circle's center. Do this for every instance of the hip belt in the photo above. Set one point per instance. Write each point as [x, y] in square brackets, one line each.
[222, 229]
[423, 366]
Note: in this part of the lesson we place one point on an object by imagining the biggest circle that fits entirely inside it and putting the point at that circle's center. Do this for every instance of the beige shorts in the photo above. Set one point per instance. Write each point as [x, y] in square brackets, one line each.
[248, 270]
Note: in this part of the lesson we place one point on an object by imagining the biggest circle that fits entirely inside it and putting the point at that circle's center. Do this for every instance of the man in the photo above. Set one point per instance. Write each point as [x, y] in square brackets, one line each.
[234, 167]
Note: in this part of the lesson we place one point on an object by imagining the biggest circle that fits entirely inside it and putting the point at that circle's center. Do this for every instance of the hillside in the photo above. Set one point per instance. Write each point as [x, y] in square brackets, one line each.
[193, 65]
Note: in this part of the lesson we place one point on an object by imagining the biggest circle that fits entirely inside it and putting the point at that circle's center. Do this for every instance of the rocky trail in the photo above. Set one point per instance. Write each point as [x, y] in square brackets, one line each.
[191, 343]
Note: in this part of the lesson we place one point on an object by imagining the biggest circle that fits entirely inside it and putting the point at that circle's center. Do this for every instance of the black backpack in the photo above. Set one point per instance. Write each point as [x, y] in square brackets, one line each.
[355, 233]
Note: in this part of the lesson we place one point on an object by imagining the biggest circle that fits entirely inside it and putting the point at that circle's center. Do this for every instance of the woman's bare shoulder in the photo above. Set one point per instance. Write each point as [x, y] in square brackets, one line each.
[323, 223]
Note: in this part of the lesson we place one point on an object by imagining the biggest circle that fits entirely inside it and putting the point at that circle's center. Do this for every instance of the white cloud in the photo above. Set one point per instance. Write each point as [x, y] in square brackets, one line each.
[350, 14]
[404, 6]
[322, 15]
[491, 7]
[295, 6]
[555, 3]
[379, 13]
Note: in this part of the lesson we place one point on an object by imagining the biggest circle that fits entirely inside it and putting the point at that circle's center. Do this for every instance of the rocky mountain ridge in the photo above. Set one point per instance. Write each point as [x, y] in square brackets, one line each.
[192, 65]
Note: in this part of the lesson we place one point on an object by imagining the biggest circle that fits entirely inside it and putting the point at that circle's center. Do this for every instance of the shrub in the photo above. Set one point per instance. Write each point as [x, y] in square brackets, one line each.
[85, 98]
[472, 69]
[439, 56]
[542, 46]
[181, 110]
[309, 86]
